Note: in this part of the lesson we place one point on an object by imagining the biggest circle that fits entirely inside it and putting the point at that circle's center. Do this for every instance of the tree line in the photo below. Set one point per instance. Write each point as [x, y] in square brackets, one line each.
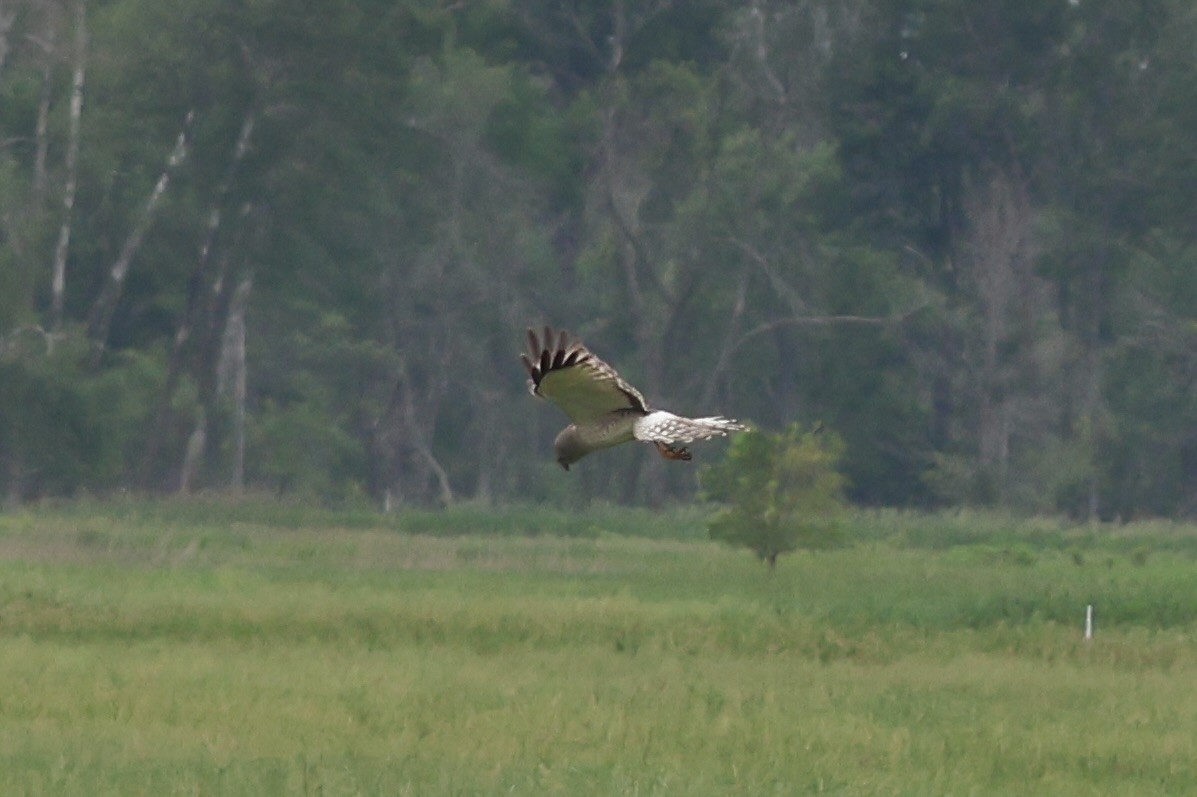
[292, 247]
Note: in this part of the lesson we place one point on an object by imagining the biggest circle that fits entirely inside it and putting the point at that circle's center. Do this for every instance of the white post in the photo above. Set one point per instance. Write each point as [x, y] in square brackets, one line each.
[1089, 621]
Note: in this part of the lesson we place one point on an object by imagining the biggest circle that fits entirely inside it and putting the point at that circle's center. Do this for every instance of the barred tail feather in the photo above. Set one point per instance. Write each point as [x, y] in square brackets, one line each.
[724, 425]
[665, 427]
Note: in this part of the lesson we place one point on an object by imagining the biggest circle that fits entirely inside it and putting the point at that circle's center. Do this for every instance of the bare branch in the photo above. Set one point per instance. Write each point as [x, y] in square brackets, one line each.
[783, 288]
[826, 320]
[10, 343]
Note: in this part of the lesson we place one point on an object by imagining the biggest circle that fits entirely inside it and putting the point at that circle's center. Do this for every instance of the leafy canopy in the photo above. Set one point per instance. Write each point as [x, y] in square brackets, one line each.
[783, 491]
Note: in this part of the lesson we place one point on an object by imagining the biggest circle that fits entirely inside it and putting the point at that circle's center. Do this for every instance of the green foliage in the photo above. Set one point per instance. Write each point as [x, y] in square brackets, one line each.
[298, 451]
[62, 427]
[270, 511]
[770, 208]
[784, 491]
[160, 651]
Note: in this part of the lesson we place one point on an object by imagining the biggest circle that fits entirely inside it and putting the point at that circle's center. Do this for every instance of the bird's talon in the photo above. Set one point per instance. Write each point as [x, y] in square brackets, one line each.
[674, 452]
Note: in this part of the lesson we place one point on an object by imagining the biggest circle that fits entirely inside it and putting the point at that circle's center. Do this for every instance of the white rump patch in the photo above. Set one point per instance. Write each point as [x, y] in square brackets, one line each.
[665, 427]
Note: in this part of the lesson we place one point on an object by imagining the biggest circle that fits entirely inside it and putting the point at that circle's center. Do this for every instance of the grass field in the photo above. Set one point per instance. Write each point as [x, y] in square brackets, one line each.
[249, 650]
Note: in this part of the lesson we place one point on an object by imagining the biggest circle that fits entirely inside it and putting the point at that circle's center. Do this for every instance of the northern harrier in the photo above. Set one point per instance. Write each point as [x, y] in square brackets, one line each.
[605, 410]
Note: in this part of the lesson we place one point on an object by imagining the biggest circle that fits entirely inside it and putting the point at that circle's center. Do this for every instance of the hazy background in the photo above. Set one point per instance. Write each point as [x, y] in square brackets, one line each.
[292, 246]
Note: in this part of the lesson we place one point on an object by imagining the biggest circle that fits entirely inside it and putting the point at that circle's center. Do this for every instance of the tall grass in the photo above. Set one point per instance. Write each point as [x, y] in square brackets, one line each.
[676, 522]
[162, 650]
[967, 527]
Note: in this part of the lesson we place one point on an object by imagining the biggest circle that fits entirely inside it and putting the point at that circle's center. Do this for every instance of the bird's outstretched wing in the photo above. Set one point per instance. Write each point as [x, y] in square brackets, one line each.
[566, 373]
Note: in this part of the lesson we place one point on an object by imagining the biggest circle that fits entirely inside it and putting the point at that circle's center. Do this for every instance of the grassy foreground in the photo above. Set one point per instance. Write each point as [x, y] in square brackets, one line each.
[166, 653]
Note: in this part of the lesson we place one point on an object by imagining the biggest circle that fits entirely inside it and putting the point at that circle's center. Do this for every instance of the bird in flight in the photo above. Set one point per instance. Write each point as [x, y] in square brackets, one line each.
[605, 410]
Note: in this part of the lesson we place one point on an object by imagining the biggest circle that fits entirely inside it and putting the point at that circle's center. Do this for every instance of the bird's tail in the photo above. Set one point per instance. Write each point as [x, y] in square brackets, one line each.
[665, 427]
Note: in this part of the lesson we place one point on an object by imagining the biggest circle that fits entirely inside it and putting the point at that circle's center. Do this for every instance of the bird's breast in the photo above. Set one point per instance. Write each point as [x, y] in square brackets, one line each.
[610, 430]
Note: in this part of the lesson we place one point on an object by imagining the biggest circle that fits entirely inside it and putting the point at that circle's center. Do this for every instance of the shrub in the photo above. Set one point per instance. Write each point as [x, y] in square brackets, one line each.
[783, 491]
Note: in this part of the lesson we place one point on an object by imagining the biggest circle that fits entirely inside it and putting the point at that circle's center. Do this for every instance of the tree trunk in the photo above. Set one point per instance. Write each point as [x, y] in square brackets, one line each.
[41, 137]
[418, 442]
[231, 376]
[62, 248]
[400, 444]
[194, 453]
[7, 18]
[100, 318]
[201, 277]
[997, 254]
[227, 380]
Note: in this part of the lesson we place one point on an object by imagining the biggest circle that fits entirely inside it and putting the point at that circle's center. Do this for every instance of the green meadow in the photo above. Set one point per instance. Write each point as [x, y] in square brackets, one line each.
[225, 649]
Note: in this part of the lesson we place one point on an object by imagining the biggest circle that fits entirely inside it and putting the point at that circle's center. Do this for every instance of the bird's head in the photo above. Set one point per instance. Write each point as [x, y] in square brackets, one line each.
[568, 447]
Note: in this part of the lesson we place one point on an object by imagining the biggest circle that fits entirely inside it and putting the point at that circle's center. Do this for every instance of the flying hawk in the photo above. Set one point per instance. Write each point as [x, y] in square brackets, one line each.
[605, 410]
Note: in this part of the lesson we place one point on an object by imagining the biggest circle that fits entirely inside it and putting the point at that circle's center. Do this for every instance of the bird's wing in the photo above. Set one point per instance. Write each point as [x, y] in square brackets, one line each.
[567, 374]
[670, 429]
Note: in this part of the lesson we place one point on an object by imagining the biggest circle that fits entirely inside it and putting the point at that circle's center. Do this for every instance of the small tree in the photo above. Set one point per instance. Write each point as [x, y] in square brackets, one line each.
[782, 491]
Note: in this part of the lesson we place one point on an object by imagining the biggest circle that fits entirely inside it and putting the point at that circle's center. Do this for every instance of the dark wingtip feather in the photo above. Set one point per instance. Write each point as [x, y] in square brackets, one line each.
[561, 355]
[552, 351]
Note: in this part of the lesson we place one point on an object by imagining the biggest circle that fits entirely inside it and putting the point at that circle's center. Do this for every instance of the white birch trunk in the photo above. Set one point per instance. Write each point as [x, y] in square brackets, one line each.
[232, 373]
[41, 135]
[240, 149]
[195, 452]
[62, 248]
[195, 297]
[237, 481]
[101, 313]
[230, 380]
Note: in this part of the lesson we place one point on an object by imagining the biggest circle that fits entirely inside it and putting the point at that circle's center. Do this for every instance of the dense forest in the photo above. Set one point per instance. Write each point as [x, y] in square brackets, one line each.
[292, 246]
